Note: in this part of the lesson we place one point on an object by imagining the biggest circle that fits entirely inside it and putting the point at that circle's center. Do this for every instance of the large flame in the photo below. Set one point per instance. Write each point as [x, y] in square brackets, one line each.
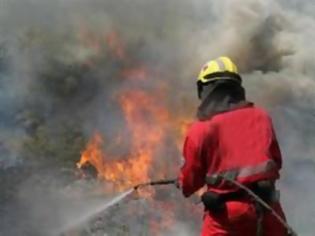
[150, 124]
[146, 120]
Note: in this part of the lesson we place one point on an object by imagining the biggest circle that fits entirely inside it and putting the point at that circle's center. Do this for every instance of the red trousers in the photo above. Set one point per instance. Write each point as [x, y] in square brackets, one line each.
[239, 218]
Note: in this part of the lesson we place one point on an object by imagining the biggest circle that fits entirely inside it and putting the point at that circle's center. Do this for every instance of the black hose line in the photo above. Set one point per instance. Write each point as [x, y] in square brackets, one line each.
[158, 182]
[291, 232]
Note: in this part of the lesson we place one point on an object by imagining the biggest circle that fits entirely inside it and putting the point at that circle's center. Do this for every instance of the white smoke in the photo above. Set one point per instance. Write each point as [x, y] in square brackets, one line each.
[43, 84]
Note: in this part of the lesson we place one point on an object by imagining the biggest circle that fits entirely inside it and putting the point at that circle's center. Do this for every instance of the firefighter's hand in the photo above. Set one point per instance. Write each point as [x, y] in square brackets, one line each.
[178, 184]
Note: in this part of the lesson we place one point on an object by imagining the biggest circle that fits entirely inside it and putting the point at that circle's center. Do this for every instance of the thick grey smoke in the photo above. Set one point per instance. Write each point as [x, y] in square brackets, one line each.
[60, 78]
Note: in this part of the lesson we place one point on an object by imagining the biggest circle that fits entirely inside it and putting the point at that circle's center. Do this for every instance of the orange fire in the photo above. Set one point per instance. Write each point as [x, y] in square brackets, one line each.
[150, 124]
[145, 120]
[147, 117]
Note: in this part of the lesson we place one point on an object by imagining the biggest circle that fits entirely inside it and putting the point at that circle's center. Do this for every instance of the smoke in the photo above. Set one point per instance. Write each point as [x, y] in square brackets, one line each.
[61, 66]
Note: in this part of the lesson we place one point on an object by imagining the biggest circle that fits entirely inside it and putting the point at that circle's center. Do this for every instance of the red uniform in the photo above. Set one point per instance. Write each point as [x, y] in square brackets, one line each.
[241, 142]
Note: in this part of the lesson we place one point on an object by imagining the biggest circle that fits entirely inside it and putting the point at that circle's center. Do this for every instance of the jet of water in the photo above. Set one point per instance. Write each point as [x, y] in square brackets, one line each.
[92, 212]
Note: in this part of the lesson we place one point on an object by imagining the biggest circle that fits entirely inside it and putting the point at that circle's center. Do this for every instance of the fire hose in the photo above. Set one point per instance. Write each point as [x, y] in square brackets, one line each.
[158, 182]
[258, 199]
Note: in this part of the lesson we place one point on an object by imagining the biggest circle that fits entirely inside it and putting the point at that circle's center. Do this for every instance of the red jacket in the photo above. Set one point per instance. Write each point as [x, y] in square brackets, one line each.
[240, 141]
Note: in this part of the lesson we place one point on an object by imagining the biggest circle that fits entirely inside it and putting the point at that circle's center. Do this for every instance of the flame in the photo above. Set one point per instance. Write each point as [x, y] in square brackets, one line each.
[122, 174]
[93, 153]
[146, 118]
[150, 124]
[141, 113]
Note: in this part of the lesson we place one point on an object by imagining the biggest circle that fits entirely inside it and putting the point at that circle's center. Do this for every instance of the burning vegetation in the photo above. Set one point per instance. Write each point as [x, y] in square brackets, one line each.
[152, 130]
[148, 124]
[131, 129]
[109, 86]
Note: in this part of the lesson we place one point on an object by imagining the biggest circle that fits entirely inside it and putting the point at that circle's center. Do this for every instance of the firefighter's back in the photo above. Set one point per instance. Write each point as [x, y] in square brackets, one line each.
[242, 142]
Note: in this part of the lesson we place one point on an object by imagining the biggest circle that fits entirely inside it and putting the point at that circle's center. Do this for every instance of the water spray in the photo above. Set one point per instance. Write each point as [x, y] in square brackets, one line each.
[114, 201]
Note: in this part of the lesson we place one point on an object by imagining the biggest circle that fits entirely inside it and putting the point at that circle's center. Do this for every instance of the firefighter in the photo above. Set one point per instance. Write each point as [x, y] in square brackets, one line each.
[232, 138]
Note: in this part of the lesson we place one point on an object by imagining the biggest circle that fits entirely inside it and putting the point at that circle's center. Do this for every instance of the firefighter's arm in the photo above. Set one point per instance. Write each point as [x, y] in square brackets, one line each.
[193, 172]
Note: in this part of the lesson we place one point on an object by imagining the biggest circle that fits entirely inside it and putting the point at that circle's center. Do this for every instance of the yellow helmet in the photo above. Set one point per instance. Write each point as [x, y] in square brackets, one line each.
[220, 68]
